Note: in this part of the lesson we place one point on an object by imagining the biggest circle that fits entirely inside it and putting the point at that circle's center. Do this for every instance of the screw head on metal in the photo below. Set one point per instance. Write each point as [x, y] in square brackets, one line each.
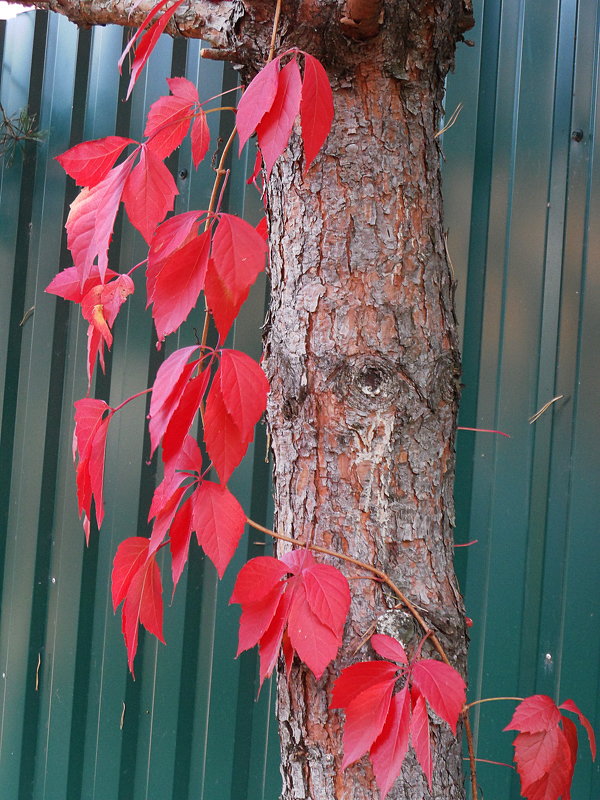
[577, 135]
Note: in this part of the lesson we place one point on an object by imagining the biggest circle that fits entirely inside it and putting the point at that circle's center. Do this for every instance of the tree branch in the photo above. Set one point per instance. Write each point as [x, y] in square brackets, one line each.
[198, 19]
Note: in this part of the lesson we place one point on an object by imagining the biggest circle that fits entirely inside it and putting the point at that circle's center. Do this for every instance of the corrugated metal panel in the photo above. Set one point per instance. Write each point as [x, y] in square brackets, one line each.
[74, 724]
[528, 265]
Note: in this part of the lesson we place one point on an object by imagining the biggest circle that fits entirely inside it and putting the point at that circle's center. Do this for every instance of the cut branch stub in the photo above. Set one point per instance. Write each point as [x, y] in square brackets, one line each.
[372, 382]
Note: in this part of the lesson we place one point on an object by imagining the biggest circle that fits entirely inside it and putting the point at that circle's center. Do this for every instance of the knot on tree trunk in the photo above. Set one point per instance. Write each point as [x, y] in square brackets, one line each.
[362, 18]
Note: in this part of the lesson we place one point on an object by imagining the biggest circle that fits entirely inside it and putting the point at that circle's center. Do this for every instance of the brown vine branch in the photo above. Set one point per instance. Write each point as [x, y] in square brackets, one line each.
[274, 34]
[491, 699]
[384, 578]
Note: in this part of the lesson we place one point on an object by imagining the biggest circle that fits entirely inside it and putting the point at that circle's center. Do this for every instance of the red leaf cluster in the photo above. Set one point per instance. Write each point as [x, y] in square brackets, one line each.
[295, 601]
[546, 747]
[183, 502]
[274, 99]
[224, 262]
[100, 303]
[383, 723]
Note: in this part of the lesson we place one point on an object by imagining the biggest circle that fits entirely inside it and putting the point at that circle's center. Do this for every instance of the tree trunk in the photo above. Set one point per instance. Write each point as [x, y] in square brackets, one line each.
[363, 363]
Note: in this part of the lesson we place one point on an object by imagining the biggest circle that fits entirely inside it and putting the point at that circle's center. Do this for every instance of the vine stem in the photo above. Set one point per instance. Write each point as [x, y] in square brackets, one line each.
[221, 171]
[274, 34]
[496, 763]
[491, 699]
[129, 399]
[384, 578]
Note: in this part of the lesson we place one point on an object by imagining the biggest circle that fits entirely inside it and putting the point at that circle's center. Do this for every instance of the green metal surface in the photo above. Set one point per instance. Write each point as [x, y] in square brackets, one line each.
[74, 725]
[526, 254]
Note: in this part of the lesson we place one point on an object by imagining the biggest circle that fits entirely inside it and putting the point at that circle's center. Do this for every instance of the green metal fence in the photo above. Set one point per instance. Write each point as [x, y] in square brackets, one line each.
[521, 189]
[74, 724]
[522, 195]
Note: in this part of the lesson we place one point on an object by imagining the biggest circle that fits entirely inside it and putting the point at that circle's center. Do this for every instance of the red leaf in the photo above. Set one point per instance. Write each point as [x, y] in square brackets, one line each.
[89, 442]
[256, 101]
[169, 384]
[276, 125]
[96, 469]
[569, 705]
[143, 604]
[552, 785]
[179, 284]
[91, 220]
[262, 229]
[257, 578]
[181, 533]
[189, 457]
[225, 445]
[545, 754]
[183, 416]
[149, 193]
[419, 734]
[130, 557]
[258, 587]
[358, 677]
[164, 492]
[244, 389]
[219, 522]
[270, 642]
[90, 162]
[255, 171]
[100, 307]
[88, 415]
[168, 237]
[168, 122]
[387, 647]
[389, 749]
[544, 764]
[288, 653]
[328, 595]
[181, 87]
[67, 283]
[140, 31]
[316, 108]
[314, 642]
[223, 302]
[164, 517]
[148, 41]
[442, 687]
[200, 137]
[257, 616]
[535, 713]
[570, 733]
[238, 252]
[365, 718]
[535, 754]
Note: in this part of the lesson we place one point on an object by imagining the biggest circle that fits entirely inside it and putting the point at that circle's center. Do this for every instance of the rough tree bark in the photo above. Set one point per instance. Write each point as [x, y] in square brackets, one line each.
[361, 345]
